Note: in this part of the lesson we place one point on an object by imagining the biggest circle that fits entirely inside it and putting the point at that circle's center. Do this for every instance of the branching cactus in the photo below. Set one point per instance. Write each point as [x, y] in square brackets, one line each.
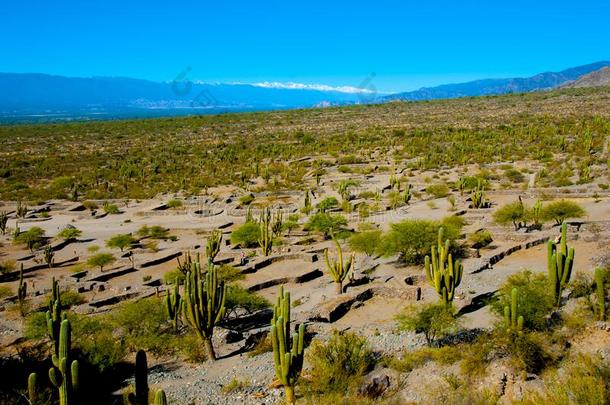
[512, 320]
[140, 396]
[54, 315]
[600, 293]
[287, 351]
[173, 305]
[443, 273]
[338, 269]
[64, 373]
[204, 304]
[22, 291]
[537, 212]
[48, 256]
[265, 239]
[560, 260]
[277, 222]
[213, 244]
[478, 196]
[187, 264]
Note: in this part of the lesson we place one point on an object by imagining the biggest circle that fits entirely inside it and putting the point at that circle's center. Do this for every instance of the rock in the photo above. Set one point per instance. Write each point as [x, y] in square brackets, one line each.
[375, 387]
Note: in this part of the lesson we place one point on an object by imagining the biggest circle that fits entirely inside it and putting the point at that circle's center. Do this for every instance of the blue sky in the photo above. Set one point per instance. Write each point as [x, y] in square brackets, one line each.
[406, 44]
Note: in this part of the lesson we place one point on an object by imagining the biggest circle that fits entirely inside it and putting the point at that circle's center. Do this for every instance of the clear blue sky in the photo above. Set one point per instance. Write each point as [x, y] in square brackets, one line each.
[406, 44]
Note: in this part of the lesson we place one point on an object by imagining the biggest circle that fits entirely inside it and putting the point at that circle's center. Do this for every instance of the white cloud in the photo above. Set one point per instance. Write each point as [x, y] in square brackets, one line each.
[318, 87]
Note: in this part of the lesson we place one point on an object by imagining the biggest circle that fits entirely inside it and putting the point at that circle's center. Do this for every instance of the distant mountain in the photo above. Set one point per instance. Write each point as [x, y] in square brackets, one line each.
[41, 97]
[542, 81]
[597, 78]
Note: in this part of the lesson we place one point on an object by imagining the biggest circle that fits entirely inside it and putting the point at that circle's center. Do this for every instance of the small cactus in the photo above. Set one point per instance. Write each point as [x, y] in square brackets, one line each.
[276, 223]
[560, 260]
[600, 293]
[287, 351]
[33, 387]
[512, 320]
[406, 195]
[443, 273]
[338, 269]
[173, 305]
[22, 291]
[160, 398]
[478, 197]
[265, 239]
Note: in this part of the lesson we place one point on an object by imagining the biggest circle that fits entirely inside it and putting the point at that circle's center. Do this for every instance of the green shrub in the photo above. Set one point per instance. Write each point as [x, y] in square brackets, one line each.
[173, 277]
[325, 223]
[327, 203]
[174, 203]
[433, 320]
[246, 199]
[438, 190]
[111, 209]
[413, 238]
[511, 213]
[5, 291]
[101, 260]
[410, 360]
[71, 298]
[238, 297]
[35, 326]
[94, 337]
[69, 233]
[365, 242]
[32, 238]
[339, 364]
[561, 210]
[480, 238]
[121, 241]
[246, 235]
[228, 273]
[153, 232]
[7, 266]
[535, 301]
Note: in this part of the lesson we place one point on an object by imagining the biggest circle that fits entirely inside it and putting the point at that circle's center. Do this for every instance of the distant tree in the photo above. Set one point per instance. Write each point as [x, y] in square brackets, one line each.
[561, 210]
[325, 223]
[101, 260]
[327, 203]
[120, 241]
[514, 213]
[69, 233]
[433, 320]
[246, 235]
[365, 242]
[32, 238]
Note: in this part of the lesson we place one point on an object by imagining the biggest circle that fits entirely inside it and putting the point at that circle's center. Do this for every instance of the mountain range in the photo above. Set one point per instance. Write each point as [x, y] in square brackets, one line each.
[34, 97]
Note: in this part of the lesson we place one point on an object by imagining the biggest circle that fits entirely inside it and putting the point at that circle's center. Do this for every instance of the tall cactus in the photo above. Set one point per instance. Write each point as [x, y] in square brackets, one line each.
[213, 244]
[22, 291]
[537, 212]
[600, 292]
[204, 303]
[54, 315]
[338, 269]
[406, 195]
[443, 273]
[3, 221]
[462, 185]
[560, 260]
[265, 239]
[173, 304]
[512, 320]
[140, 396]
[64, 373]
[186, 265]
[48, 256]
[307, 206]
[287, 351]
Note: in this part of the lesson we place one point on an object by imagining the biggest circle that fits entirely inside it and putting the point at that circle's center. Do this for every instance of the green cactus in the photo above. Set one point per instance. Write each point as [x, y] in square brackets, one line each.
[48, 256]
[160, 398]
[33, 389]
[265, 239]
[287, 352]
[140, 396]
[213, 244]
[21, 210]
[406, 195]
[512, 320]
[394, 182]
[478, 196]
[173, 304]
[338, 269]
[600, 292]
[462, 185]
[204, 303]
[537, 212]
[443, 273]
[249, 216]
[55, 315]
[307, 206]
[276, 223]
[560, 260]
[3, 221]
[64, 373]
[22, 291]
[185, 266]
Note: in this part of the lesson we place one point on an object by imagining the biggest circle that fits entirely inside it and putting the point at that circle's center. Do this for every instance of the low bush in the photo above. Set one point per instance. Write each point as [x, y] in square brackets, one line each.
[337, 366]
[365, 242]
[5, 291]
[480, 239]
[438, 190]
[433, 320]
[325, 223]
[238, 297]
[561, 210]
[246, 235]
